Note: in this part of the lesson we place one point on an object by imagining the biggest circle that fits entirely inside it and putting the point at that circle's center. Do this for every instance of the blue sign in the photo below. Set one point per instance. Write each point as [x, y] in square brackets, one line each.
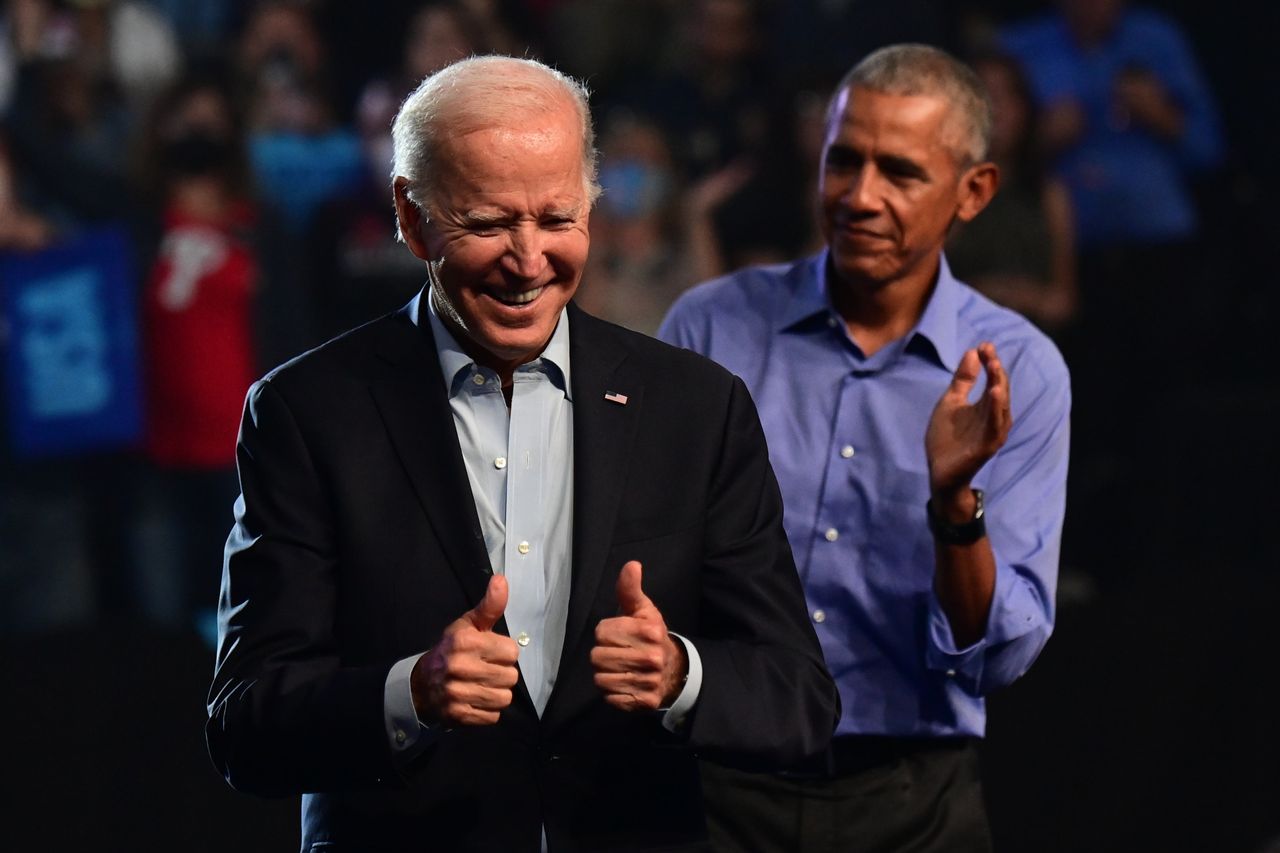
[70, 346]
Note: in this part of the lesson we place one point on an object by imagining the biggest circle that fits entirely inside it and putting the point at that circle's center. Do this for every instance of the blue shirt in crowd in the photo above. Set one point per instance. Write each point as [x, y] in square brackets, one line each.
[1127, 183]
[846, 439]
[298, 173]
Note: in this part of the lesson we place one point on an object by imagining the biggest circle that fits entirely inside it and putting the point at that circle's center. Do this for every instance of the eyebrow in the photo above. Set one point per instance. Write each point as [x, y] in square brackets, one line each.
[841, 155]
[572, 211]
[484, 217]
[903, 166]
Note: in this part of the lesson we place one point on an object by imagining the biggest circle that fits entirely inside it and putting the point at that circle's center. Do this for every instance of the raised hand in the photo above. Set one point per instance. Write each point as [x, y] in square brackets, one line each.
[1141, 97]
[638, 666]
[466, 680]
[963, 436]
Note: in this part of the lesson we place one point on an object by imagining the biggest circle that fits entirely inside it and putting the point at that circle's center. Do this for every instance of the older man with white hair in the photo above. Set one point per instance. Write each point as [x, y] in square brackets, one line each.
[499, 568]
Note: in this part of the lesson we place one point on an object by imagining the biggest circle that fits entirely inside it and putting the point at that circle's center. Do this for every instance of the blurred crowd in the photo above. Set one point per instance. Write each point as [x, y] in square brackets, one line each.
[192, 191]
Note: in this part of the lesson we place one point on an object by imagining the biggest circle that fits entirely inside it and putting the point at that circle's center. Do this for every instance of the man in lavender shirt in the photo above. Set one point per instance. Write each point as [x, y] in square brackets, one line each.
[925, 527]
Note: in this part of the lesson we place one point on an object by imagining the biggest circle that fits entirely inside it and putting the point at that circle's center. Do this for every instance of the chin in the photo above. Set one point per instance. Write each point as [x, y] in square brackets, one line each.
[516, 348]
[861, 269]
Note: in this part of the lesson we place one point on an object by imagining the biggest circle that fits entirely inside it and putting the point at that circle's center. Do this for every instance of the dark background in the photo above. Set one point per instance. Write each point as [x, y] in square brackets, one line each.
[1147, 724]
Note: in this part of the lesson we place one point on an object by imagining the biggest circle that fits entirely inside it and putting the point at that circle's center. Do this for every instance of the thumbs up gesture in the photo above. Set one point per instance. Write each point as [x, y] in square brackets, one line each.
[467, 678]
[638, 666]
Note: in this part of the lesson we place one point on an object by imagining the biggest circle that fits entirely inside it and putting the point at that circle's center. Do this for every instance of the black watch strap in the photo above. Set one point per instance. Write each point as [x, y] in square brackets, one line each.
[965, 533]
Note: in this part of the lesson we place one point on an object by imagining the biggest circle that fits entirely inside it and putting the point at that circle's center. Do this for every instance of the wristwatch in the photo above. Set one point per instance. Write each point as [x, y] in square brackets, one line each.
[965, 533]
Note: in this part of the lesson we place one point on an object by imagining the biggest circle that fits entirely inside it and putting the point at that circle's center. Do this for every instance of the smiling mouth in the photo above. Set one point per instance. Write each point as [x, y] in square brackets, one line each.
[521, 297]
[857, 231]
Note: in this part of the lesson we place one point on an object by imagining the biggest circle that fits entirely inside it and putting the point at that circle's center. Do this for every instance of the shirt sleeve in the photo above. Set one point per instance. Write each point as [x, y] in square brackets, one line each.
[406, 735]
[681, 326]
[1025, 504]
[674, 718]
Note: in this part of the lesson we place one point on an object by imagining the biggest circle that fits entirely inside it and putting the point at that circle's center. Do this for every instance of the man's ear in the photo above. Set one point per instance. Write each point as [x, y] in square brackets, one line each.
[978, 186]
[409, 217]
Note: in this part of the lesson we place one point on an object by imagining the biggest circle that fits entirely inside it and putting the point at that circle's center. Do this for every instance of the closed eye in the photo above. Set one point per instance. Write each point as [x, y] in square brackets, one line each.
[901, 169]
[842, 159]
[484, 226]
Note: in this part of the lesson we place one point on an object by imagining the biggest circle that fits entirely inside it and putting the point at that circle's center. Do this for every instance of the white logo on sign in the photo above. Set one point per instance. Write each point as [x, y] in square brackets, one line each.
[192, 253]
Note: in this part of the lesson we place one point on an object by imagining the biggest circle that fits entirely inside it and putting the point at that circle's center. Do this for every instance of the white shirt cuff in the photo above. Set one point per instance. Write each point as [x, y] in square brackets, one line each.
[405, 734]
[675, 716]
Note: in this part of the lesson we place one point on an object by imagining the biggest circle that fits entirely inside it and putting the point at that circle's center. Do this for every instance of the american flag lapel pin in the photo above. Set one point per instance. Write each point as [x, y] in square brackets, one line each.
[614, 397]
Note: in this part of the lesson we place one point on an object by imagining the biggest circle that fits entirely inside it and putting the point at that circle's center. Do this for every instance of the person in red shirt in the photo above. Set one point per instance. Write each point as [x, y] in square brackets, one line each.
[212, 322]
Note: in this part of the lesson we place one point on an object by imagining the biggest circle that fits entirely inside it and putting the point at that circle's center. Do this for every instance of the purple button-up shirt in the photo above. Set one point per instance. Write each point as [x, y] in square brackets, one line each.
[846, 439]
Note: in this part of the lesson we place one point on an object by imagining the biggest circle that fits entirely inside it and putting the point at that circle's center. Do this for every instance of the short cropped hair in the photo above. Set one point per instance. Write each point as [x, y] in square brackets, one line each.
[918, 69]
[477, 92]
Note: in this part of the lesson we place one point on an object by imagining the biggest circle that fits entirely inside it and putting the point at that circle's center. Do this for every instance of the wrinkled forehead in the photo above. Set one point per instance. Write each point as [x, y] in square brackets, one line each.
[925, 118]
[512, 149]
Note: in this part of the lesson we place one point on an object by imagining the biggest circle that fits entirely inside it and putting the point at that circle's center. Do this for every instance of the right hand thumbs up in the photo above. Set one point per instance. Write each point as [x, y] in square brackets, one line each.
[490, 609]
[466, 679]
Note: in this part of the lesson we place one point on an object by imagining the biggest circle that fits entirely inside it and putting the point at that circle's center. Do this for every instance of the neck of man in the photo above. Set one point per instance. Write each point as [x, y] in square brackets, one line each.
[877, 313]
[203, 197]
[481, 356]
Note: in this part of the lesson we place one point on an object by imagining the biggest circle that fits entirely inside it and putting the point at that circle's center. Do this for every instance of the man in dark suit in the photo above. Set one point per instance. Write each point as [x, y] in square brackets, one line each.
[500, 568]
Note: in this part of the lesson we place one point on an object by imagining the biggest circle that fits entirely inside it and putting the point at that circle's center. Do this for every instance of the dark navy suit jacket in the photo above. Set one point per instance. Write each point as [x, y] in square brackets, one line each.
[357, 542]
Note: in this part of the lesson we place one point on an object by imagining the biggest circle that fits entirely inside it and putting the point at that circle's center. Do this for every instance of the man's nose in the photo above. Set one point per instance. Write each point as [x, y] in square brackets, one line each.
[863, 194]
[526, 256]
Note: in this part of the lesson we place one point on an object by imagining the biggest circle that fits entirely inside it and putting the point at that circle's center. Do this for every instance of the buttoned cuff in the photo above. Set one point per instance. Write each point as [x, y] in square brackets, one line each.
[406, 735]
[674, 717]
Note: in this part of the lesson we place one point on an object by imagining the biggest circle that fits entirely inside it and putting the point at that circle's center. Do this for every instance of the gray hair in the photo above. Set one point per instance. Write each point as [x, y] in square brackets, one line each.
[481, 91]
[918, 69]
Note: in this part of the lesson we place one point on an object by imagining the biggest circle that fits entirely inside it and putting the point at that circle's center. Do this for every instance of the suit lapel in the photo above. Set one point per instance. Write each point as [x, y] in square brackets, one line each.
[603, 431]
[414, 406]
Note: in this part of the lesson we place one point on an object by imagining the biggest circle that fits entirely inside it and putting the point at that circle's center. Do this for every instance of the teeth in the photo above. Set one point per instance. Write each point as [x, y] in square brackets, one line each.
[522, 298]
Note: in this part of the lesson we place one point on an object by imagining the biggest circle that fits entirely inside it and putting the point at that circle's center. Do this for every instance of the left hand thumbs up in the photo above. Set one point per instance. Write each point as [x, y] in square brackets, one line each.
[631, 598]
[638, 665]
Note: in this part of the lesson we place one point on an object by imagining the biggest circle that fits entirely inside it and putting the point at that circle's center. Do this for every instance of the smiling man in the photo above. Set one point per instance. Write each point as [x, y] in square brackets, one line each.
[499, 568]
[925, 515]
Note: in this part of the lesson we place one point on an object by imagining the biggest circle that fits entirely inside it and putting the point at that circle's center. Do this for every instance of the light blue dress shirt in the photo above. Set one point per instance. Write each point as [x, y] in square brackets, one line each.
[846, 439]
[519, 462]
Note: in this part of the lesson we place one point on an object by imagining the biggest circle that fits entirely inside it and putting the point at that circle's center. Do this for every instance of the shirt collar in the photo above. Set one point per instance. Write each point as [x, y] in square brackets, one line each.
[936, 327]
[941, 314]
[809, 297]
[455, 363]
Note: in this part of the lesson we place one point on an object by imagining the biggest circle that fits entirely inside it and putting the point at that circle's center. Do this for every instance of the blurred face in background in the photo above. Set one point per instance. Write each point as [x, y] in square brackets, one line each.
[281, 33]
[1091, 20]
[198, 136]
[724, 30]
[635, 171]
[282, 54]
[438, 36]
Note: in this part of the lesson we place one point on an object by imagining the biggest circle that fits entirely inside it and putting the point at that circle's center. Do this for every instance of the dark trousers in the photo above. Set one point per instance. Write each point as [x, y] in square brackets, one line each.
[871, 795]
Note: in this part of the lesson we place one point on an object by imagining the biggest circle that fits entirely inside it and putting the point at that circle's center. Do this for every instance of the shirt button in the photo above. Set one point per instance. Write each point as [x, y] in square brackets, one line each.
[400, 736]
[951, 673]
[846, 451]
[478, 379]
[832, 534]
[832, 322]
[523, 639]
[523, 547]
[500, 463]
[819, 616]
